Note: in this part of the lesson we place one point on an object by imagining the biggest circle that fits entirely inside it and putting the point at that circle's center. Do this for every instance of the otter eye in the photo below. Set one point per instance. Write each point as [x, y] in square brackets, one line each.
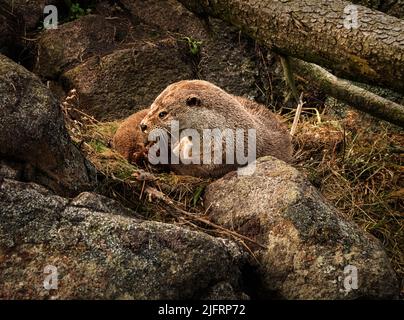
[162, 114]
[193, 101]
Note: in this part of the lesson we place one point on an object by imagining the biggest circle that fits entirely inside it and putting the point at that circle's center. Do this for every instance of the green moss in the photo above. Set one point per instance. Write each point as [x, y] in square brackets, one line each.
[98, 146]
[76, 11]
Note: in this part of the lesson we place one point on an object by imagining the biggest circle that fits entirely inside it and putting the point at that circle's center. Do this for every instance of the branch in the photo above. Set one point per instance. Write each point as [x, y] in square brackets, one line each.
[345, 91]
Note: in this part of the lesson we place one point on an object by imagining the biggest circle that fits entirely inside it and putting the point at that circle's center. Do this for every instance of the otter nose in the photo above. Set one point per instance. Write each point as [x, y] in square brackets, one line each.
[143, 127]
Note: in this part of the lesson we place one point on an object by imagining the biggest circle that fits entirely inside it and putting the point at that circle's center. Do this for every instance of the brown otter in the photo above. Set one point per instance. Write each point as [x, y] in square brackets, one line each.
[129, 139]
[201, 105]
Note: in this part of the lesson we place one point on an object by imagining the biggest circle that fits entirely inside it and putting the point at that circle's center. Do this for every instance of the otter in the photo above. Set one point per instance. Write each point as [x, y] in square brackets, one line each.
[129, 139]
[200, 105]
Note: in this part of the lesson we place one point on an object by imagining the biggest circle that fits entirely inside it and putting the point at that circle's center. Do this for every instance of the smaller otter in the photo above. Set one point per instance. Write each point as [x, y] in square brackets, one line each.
[201, 105]
[129, 139]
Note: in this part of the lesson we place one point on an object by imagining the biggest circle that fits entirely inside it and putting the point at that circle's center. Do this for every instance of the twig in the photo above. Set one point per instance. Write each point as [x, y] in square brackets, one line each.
[297, 115]
[159, 195]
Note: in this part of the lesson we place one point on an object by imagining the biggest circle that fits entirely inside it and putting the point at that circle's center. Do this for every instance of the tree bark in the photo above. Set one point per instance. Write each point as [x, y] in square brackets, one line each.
[313, 30]
[393, 8]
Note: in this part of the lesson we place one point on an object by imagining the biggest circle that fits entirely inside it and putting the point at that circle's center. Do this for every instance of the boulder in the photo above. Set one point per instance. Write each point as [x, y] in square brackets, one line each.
[166, 15]
[72, 43]
[32, 133]
[31, 11]
[226, 58]
[310, 252]
[99, 250]
[125, 81]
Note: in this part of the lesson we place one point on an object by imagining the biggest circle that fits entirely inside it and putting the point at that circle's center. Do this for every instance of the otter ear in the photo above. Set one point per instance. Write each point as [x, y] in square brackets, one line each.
[193, 101]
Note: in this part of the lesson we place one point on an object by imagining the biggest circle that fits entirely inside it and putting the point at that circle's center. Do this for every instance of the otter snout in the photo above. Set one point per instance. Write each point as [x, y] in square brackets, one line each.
[143, 126]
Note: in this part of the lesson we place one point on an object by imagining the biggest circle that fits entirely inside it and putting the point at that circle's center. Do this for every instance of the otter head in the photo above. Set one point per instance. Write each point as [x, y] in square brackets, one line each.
[176, 103]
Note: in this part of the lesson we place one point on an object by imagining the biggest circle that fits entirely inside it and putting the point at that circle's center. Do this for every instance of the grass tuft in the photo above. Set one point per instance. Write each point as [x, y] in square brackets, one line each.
[357, 164]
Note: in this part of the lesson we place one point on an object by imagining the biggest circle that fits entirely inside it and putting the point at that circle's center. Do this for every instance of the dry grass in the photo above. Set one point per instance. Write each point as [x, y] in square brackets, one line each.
[126, 182]
[357, 164]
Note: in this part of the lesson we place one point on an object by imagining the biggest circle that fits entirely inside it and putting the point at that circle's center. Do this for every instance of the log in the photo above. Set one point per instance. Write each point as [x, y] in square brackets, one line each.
[314, 31]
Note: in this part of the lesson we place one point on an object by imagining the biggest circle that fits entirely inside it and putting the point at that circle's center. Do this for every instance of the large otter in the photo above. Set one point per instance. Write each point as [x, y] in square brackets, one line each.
[200, 105]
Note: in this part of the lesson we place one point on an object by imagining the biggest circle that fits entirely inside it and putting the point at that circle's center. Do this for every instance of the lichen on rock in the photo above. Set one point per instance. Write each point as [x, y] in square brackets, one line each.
[308, 245]
[102, 251]
[32, 132]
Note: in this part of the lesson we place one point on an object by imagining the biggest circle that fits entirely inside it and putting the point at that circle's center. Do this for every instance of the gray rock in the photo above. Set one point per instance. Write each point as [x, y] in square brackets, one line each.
[166, 15]
[224, 291]
[32, 132]
[226, 58]
[105, 255]
[308, 245]
[31, 11]
[96, 202]
[125, 81]
[72, 43]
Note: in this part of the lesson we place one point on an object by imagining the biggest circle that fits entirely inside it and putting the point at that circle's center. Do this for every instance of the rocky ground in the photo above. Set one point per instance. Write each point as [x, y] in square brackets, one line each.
[116, 231]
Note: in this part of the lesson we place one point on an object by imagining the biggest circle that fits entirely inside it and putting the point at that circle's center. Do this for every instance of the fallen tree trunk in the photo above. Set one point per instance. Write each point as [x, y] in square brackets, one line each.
[314, 31]
[347, 92]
